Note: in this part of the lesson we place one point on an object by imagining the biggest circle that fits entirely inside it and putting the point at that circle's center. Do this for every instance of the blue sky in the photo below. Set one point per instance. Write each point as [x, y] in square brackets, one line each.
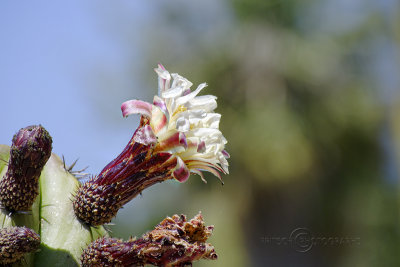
[46, 55]
[70, 65]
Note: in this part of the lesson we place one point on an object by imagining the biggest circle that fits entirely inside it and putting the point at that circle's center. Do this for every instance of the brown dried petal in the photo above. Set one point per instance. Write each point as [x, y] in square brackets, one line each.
[174, 242]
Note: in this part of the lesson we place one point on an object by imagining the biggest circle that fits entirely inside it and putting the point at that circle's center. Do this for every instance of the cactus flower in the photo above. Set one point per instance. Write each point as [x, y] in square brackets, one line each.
[178, 134]
[183, 124]
[174, 242]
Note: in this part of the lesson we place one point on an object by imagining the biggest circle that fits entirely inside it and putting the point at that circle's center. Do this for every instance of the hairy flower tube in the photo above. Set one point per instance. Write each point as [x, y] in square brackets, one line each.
[178, 135]
[30, 150]
[174, 242]
[15, 242]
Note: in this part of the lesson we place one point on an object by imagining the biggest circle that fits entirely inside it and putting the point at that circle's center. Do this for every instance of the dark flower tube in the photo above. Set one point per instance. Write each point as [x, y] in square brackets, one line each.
[98, 200]
[15, 242]
[30, 150]
[178, 135]
[174, 242]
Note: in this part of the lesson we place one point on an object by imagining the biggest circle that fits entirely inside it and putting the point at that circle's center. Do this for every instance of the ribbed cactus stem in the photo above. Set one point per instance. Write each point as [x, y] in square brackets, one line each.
[24, 179]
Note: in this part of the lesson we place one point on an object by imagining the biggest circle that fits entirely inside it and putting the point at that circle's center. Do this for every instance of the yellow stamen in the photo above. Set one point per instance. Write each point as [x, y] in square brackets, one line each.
[180, 109]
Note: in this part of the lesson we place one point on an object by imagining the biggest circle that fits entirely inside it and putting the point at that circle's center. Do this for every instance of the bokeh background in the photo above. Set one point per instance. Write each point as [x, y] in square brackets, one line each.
[309, 96]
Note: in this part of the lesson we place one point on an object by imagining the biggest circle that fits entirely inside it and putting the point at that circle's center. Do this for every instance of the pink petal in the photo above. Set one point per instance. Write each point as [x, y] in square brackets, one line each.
[209, 169]
[159, 102]
[226, 154]
[136, 107]
[192, 143]
[201, 148]
[181, 172]
[177, 139]
[145, 135]
[158, 120]
[182, 140]
[161, 66]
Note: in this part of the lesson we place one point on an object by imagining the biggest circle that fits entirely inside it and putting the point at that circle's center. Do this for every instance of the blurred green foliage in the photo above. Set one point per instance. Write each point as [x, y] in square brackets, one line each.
[272, 11]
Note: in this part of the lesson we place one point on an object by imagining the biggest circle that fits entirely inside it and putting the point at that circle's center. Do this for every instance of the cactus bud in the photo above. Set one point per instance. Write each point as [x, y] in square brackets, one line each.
[174, 242]
[30, 150]
[15, 242]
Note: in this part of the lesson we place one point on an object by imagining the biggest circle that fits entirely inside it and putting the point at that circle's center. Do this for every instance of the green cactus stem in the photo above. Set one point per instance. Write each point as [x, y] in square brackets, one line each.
[63, 236]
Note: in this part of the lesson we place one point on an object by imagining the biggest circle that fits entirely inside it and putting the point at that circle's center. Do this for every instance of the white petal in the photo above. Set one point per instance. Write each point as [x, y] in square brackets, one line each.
[211, 120]
[206, 102]
[183, 99]
[193, 114]
[224, 164]
[180, 81]
[162, 73]
[206, 132]
[164, 78]
[200, 174]
[173, 92]
[182, 124]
